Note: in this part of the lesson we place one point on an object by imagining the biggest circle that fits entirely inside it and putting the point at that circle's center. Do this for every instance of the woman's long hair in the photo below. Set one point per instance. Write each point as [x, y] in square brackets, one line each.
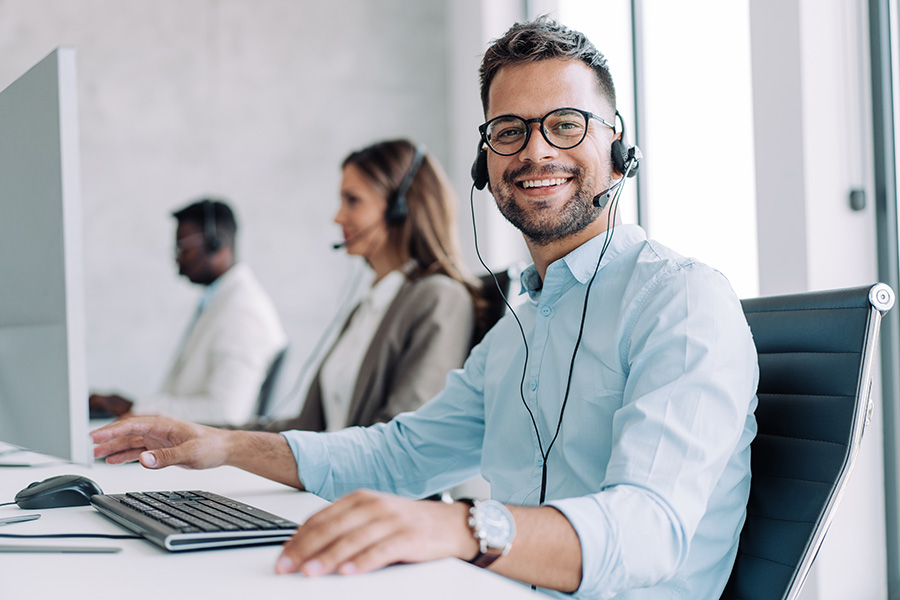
[428, 233]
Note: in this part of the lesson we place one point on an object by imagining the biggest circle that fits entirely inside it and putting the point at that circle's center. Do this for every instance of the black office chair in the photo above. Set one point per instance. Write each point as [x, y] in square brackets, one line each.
[815, 376]
[266, 390]
[495, 298]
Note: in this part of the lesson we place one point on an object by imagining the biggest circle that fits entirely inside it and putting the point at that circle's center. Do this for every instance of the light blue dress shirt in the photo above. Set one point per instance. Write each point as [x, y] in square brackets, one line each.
[652, 462]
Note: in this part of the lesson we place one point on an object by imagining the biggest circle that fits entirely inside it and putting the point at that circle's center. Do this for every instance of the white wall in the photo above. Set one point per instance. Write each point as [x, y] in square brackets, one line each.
[813, 132]
[257, 101]
[471, 25]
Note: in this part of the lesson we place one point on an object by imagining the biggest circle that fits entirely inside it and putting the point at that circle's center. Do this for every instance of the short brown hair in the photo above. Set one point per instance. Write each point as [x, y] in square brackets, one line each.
[543, 39]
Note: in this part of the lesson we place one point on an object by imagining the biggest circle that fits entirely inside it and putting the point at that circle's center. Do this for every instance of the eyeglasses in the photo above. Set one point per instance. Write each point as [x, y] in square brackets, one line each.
[563, 128]
[187, 242]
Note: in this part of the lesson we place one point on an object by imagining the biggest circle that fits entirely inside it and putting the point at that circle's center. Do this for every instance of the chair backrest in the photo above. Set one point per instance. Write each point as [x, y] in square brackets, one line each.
[495, 295]
[815, 376]
[264, 400]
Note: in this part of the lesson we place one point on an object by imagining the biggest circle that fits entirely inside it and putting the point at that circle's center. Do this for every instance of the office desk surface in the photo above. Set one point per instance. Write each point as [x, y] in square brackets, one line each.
[143, 570]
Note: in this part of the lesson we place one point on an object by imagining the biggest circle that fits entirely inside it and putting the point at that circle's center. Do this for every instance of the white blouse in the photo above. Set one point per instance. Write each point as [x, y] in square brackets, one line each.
[340, 370]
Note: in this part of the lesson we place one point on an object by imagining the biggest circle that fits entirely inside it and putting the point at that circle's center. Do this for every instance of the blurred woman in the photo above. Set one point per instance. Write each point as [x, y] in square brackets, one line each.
[417, 321]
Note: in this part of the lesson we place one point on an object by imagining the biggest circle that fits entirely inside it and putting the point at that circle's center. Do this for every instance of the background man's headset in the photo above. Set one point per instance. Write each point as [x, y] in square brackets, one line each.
[626, 160]
[211, 239]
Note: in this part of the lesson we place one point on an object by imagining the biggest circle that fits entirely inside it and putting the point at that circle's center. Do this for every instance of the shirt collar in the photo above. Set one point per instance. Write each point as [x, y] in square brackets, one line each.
[209, 291]
[582, 261]
[384, 291]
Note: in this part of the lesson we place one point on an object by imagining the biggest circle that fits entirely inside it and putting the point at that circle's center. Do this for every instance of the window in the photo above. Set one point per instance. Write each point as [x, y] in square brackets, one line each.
[698, 135]
[697, 178]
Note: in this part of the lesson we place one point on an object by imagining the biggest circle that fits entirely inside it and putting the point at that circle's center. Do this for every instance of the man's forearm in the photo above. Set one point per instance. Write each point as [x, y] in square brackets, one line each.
[546, 551]
[265, 454]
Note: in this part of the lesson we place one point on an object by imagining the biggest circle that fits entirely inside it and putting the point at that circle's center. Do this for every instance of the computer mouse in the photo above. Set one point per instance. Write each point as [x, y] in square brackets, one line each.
[59, 491]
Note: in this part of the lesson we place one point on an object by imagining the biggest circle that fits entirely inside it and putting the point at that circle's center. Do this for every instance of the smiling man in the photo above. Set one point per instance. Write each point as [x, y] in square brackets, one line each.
[612, 415]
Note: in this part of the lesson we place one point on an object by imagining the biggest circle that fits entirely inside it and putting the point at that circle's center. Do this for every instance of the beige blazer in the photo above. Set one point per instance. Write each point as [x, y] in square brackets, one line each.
[218, 373]
[425, 333]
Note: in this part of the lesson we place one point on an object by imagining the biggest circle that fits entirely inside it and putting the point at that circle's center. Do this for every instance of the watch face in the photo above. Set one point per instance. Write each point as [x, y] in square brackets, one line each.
[495, 524]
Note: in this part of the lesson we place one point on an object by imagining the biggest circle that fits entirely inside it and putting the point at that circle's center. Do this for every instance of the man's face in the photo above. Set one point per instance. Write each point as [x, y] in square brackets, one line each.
[547, 193]
[191, 254]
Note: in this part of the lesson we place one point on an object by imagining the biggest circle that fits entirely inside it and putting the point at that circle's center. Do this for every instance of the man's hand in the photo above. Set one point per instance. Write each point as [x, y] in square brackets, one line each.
[161, 442]
[367, 530]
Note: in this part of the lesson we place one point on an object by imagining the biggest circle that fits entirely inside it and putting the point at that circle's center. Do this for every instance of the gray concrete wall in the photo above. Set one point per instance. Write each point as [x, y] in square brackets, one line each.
[257, 101]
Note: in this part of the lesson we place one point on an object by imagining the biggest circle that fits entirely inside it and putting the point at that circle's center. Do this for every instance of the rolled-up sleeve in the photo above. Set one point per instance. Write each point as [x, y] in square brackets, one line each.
[680, 441]
[415, 454]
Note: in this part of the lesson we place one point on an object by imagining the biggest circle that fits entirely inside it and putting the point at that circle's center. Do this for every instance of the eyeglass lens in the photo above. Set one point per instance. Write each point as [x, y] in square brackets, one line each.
[564, 128]
[186, 243]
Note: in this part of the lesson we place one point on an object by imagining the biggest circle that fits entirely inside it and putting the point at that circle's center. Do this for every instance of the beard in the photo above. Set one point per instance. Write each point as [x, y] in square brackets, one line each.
[542, 227]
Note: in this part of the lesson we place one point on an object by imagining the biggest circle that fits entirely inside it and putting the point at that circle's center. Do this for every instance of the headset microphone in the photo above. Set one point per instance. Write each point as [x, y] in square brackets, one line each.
[362, 232]
[602, 199]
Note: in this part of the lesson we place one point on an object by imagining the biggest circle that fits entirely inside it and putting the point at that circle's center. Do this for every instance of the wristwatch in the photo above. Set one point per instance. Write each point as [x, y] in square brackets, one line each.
[493, 527]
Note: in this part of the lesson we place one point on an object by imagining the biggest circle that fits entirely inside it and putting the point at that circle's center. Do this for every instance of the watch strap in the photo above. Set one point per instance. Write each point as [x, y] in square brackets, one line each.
[486, 554]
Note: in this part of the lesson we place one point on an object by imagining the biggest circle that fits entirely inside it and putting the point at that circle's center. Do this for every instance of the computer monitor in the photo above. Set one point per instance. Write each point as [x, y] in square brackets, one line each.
[43, 374]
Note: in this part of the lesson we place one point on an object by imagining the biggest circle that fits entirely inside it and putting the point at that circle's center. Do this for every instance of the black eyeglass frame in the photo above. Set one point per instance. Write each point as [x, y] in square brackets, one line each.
[482, 129]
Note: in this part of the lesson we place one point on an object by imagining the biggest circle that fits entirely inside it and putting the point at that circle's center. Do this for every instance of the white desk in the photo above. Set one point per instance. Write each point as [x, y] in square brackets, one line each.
[143, 570]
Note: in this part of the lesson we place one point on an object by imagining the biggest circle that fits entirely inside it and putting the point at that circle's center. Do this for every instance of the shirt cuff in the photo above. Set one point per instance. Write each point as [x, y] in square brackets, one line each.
[314, 470]
[595, 534]
[628, 540]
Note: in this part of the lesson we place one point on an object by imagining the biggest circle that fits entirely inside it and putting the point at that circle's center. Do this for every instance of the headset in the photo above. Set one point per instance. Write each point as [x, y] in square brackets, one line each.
[211, 239]
[625, 159]
[479, 167]
[398, 207]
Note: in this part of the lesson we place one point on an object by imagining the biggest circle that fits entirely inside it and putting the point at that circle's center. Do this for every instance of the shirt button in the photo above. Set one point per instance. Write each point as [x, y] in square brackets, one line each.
[533, 384]
[546, 311]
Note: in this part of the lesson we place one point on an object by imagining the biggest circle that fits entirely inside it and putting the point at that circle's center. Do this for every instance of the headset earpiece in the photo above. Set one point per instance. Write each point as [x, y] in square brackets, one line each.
[398, 207]
[211, 238]
[619, 155]
[479, 167]
[625, 158]
[397, 210]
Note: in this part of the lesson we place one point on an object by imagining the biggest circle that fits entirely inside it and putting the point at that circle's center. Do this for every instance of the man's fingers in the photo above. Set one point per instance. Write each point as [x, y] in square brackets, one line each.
[368, 538]
[123, 457]
[167, 457]
[117, 429]
[116, 445]
[388, 550]
[322, 529]
[359, 533]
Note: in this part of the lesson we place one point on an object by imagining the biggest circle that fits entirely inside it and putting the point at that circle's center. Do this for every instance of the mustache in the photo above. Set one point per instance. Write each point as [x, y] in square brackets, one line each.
[543, 171]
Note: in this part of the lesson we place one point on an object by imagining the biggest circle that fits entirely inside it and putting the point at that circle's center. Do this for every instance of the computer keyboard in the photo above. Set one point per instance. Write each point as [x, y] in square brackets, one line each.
[192, 520]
